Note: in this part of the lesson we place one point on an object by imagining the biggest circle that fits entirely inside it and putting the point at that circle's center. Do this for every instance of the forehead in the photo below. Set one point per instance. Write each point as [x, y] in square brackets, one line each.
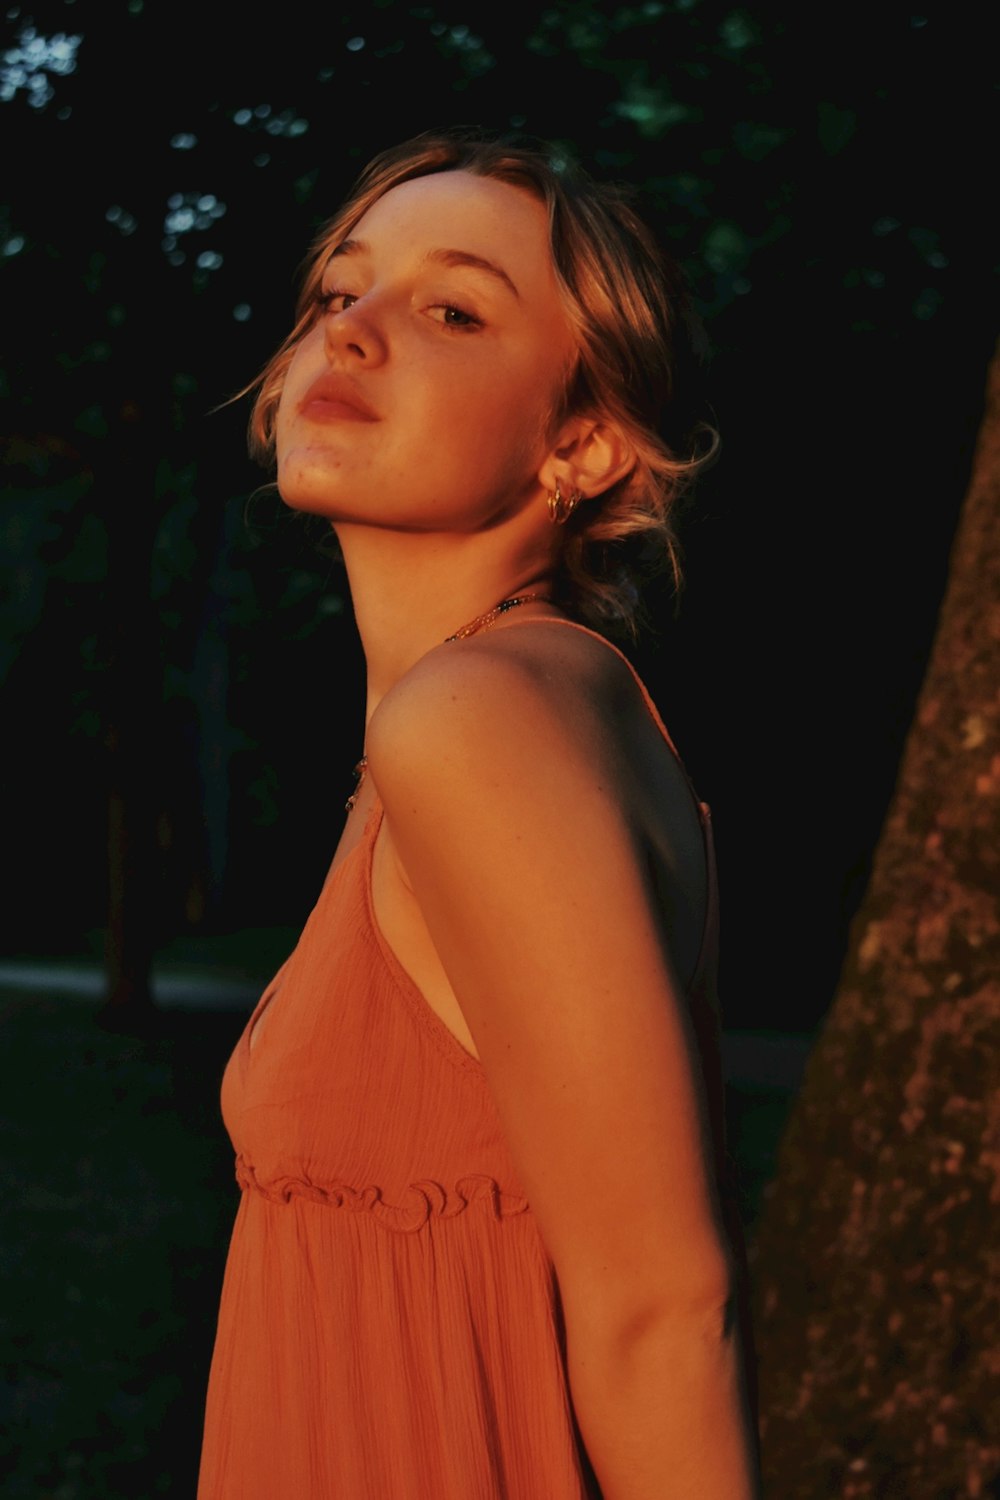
[477, 215]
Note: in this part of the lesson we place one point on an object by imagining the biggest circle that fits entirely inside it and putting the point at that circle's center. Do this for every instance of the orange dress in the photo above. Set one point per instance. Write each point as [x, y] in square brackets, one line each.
[390, 1324]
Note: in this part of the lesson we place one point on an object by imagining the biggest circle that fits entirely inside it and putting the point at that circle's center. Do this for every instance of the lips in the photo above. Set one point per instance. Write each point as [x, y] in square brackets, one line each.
[333, 398]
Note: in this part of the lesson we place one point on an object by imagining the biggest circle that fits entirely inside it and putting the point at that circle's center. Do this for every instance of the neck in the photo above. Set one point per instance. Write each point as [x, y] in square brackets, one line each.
[411, 590]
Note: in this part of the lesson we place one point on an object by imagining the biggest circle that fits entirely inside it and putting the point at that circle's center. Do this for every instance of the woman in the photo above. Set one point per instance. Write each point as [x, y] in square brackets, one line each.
[486, 1248]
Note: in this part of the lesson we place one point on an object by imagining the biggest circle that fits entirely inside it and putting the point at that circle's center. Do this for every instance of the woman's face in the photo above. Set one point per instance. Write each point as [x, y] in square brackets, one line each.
[422, 394]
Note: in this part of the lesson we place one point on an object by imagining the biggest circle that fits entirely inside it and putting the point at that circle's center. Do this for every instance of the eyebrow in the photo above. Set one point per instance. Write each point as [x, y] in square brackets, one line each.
[440, 257]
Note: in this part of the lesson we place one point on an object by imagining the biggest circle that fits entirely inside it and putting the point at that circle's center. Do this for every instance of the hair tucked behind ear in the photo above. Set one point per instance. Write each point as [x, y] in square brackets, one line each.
[637, 357]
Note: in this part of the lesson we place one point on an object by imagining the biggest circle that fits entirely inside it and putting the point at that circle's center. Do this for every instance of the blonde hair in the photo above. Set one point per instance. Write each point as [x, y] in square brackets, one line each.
[635, 330]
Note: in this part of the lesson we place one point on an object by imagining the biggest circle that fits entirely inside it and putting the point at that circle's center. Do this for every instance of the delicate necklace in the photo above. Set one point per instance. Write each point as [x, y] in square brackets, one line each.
[481, 622]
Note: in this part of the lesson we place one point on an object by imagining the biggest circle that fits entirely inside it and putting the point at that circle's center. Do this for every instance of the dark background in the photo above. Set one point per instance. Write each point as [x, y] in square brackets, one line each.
[822, 172]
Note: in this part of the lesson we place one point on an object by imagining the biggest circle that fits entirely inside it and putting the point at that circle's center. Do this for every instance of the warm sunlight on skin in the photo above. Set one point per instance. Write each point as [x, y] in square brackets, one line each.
[444, 371]
[509, 980]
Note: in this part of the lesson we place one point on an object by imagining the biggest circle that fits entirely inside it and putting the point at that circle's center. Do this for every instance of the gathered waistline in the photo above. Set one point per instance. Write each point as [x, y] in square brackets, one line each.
[425, 1200]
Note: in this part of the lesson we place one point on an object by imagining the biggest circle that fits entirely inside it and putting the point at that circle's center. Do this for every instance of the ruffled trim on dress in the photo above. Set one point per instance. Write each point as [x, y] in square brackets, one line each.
[426, 1199]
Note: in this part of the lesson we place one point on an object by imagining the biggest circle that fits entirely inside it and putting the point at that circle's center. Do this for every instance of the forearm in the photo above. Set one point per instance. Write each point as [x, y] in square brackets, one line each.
[664, 1414]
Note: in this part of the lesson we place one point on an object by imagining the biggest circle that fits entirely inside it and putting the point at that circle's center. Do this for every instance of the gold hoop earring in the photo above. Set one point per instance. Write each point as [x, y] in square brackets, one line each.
[561, 506]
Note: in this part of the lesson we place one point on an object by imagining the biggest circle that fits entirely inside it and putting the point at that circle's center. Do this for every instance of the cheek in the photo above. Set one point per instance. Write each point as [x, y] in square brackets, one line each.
[487, 404]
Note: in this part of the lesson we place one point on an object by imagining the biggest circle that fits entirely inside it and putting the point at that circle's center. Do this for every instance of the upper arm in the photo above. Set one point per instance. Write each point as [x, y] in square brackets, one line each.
[509, 818]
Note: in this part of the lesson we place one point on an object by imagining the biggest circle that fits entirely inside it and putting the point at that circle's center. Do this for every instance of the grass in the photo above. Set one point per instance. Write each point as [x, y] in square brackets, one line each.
[118, 1189]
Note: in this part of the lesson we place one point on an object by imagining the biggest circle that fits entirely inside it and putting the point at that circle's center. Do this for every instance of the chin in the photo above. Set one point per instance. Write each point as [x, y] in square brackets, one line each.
[314, 491]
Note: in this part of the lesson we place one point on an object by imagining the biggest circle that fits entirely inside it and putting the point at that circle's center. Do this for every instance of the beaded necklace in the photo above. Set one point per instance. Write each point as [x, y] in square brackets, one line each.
[481, 622]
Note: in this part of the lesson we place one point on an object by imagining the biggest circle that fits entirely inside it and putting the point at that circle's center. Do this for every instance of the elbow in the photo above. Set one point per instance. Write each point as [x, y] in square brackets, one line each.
[700, 1311]
[702, 1315]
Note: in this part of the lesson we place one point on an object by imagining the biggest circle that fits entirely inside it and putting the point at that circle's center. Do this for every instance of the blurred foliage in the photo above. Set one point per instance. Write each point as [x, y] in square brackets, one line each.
[167, 164]
[116, 1254]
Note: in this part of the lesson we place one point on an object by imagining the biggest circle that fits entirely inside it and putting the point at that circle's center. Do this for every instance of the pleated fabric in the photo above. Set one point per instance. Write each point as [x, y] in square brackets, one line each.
[390, 1325]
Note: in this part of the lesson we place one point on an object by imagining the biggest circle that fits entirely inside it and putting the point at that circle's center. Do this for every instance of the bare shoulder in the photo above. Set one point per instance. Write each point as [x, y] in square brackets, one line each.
[524, 845]
[509, 699]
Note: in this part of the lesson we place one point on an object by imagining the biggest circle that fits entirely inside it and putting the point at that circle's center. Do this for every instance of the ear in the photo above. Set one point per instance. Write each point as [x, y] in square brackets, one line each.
[590, 454]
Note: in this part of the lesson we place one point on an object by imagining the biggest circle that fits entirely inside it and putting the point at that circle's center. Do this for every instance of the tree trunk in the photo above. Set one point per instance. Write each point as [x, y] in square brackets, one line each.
[876, 1262]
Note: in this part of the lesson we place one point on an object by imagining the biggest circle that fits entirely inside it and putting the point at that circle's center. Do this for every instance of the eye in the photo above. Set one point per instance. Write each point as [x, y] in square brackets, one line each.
[454, 317]
[327, 300]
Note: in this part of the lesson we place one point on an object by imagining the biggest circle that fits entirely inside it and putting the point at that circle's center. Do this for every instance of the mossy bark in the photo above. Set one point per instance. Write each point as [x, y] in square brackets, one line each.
[877, 1257]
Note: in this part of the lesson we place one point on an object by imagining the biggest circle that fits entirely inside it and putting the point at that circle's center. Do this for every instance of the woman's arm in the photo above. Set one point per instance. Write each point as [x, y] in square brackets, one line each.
[503, 791]
[663, 1411]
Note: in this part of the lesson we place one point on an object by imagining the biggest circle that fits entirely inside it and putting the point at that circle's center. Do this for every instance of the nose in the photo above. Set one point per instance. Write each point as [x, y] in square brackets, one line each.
[355, 335]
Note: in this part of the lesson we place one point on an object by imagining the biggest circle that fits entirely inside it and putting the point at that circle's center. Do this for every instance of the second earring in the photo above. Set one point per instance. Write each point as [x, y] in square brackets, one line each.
[561, 506]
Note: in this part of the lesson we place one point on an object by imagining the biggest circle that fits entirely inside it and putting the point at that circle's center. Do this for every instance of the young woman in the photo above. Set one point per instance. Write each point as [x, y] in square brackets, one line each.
[486, 1248]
